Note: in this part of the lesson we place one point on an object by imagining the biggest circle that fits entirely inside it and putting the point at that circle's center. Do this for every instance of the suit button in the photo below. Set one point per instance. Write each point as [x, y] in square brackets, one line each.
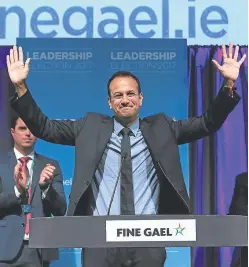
[23, 224]
[87, 183]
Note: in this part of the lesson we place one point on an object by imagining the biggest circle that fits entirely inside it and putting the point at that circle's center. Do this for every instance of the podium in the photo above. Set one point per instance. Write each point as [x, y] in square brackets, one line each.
[139, 231]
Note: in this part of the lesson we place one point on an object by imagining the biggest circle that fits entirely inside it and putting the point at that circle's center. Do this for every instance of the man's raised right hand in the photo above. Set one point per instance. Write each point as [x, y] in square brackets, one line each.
[18, 71]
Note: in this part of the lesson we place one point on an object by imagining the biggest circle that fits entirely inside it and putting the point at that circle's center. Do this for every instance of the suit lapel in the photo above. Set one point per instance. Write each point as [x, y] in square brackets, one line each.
[105, 132]
[12, 160]
[12, 163]
[150, 139]
[38, 166]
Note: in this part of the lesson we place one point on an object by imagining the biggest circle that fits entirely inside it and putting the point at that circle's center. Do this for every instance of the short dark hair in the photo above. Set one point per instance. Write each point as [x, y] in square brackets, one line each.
[123, 73]
[13, 120]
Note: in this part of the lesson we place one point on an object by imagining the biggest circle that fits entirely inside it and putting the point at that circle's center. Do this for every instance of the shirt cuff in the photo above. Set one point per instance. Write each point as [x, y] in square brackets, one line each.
[44, 192]
[232, 93]
[18, 194]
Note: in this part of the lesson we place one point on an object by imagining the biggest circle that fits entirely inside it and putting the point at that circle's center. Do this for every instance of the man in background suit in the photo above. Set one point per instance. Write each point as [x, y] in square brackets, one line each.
[124, 164]
[31, 186]
[239, 206]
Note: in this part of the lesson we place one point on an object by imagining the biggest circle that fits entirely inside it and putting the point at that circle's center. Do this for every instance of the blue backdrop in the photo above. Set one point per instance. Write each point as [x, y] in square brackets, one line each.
[68, 78]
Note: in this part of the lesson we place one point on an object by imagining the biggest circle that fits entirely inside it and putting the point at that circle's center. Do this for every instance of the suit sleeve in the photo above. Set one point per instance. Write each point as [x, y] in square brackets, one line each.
[8, 200]
[195, 128]
[55, 200]
[239, 203]
[55, 131]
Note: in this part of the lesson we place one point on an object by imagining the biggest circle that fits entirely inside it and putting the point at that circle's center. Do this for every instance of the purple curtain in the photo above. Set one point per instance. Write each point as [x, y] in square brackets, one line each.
[6, 90]
[216, 160]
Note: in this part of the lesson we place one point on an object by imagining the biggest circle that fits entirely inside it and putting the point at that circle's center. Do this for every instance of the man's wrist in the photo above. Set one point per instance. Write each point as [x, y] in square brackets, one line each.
[21, 88]
[44, 186]
[229, 88]
[228, 83]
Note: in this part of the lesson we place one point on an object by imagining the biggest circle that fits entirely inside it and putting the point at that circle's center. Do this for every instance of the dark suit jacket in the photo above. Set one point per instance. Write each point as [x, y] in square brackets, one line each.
[91, 133]
[239, 206]
[239, 203]
[12, 220]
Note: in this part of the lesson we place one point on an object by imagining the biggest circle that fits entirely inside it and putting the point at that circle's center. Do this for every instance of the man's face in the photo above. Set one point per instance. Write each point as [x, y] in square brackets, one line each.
[125, 99]
[22, 136]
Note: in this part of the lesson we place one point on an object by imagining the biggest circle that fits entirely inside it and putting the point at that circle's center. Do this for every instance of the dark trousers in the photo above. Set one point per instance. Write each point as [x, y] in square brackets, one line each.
[123, 257]
[27, 257]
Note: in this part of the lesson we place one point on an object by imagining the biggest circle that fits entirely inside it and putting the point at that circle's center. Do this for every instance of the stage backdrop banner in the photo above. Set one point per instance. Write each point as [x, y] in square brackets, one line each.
[68, 78]
[201, 22]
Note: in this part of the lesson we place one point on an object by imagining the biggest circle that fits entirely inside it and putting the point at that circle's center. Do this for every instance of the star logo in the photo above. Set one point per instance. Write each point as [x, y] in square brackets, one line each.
[179, 229]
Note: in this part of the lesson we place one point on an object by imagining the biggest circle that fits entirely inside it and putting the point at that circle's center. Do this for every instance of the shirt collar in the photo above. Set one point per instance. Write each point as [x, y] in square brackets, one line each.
[119, 127]
[20, 155]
